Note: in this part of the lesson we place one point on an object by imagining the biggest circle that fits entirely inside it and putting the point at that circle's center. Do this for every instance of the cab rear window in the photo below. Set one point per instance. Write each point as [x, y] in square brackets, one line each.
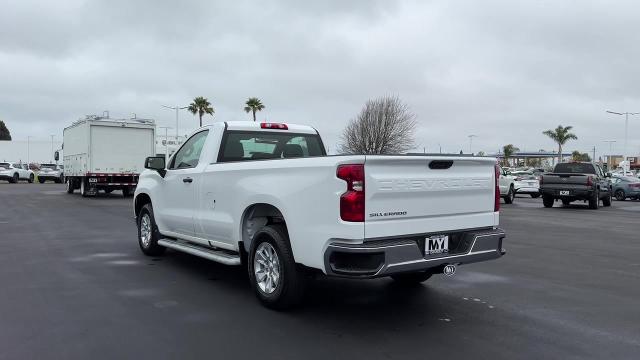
[262, 145]
[575, 168]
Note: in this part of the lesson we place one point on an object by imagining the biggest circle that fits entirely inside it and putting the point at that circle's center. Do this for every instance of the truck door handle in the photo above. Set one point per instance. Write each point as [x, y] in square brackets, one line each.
[187, 180]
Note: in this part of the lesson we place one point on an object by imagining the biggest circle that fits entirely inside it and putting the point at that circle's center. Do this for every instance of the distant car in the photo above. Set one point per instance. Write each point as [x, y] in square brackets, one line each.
[626, 187]
[51, 172]
[525, 182]
[14, 172]
[507, 186]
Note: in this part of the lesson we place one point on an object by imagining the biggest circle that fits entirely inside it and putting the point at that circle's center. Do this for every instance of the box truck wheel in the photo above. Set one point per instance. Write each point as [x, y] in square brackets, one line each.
[70, 186]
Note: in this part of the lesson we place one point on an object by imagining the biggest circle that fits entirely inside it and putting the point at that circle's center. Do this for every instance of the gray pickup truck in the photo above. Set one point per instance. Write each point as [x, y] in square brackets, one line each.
[576, 181]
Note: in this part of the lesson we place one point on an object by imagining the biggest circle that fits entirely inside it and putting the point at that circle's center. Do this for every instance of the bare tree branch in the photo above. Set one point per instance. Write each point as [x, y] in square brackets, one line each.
[384, 126]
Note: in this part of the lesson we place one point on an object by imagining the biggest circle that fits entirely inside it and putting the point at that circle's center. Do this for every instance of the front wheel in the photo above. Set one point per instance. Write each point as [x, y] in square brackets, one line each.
[70, 186]
[31, 178]
[148, 234]
[535, 196]
[41, 181]
[606, 201]
[620, 195]
[547, 201]
[412, 278]
[273, 273]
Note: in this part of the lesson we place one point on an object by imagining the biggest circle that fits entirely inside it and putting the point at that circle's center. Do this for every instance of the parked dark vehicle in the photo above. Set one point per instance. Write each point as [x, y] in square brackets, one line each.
[576, 181]
[626, 187]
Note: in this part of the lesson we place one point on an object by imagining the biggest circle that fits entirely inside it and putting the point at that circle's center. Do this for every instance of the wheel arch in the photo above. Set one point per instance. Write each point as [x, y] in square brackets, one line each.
[141, 200]
[255, 217]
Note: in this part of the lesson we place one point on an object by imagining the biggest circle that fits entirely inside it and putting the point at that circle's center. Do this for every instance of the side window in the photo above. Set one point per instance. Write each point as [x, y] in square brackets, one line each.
[189, 154]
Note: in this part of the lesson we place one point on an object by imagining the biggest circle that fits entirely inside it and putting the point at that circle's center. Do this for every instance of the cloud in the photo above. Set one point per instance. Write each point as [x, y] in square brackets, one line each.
[501, 70]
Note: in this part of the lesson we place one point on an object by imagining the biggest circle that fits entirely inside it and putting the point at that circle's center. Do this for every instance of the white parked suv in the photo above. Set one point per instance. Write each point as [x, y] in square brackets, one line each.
[14, 172]
[507, 185]
[266, 195]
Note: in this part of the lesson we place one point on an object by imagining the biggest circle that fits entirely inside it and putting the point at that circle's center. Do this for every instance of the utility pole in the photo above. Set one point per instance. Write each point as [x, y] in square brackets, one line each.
[28, 149]
[176, 108]
[52, 136]
[609, 164]
[471, 142]
[166, 143]
[594, 154]
[626, 135]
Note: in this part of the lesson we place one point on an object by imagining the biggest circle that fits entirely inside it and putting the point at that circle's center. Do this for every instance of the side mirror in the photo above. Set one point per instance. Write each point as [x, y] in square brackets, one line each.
[56, 155]
[156, 163]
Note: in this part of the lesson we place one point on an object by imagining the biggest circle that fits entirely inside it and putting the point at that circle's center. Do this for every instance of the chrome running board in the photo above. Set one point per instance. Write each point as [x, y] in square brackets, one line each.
[220, 256]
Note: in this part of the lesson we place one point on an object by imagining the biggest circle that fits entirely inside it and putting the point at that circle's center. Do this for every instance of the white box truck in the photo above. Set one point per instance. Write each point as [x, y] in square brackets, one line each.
[106, 154]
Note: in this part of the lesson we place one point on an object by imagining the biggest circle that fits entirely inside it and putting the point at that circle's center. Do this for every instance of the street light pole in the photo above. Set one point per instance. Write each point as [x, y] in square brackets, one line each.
[28, 149]
[52, 136]
[610, 153]
[626, 135]
[176, 108]
[471, 142]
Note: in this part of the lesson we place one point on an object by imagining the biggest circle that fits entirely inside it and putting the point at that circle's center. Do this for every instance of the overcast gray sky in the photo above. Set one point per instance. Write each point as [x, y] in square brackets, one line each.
[502, 70]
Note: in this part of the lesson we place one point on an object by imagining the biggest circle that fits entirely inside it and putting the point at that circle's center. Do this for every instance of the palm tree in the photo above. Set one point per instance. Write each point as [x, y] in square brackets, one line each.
[561, 135]
[253, 104]
[508, 150]
[201, 106]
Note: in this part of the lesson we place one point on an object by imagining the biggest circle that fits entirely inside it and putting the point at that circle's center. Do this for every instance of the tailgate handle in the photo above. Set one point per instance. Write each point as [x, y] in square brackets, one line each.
[440, 164]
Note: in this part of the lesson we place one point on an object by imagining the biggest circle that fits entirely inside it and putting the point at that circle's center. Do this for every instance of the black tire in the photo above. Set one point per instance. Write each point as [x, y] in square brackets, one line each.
[290, 287]
[594, 201]
[41, 181]
[620, 195]
[535, 196]
[108, 191]
[606, 201]
[510, 196]
[412, 278]
[126, 192]
[149, 247]
[15, 178]
[70, 186]
[547, 201]
[83, 187]
[566, 202]
[31, 178]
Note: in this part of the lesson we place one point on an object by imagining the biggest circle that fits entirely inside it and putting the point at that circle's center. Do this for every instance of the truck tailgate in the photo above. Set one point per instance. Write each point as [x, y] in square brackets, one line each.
[407, 195]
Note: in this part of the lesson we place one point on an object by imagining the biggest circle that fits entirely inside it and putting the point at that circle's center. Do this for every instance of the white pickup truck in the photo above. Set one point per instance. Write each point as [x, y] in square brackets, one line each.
[267, 196]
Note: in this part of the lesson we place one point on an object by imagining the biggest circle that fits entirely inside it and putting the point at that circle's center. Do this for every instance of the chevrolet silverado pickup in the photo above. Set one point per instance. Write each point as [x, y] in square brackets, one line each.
[576, 181]
[266, 196]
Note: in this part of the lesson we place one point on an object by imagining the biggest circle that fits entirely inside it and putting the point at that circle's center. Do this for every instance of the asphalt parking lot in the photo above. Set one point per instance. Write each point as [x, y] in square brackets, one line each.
[76, 286]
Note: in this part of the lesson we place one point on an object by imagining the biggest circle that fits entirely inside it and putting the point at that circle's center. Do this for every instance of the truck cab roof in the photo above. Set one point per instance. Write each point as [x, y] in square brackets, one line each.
[253, 126]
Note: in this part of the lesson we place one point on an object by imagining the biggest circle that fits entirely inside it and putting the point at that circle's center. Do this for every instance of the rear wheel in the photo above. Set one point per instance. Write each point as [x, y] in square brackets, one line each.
[148, 234]
[126, 192]
[620, 195]
[274, 275]
[31, 177]
[510, 196]
[14, 179]
[41, 181]
[594, 201]
[412, 278]
[535, 196]
[83, 187]
[547, 201]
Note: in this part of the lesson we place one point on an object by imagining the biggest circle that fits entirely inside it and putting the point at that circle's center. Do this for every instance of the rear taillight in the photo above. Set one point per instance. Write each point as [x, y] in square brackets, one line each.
[541, 177]
[589, 181]
[496, 205]
[352, 201]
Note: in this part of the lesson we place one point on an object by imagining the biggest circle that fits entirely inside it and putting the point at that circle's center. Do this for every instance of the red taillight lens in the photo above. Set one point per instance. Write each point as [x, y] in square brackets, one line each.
[589, 181]
[352, 201]
[496, 206]
[274, 126]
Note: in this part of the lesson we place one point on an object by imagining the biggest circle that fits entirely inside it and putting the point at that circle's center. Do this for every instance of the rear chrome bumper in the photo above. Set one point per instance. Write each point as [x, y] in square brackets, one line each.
[383, 257]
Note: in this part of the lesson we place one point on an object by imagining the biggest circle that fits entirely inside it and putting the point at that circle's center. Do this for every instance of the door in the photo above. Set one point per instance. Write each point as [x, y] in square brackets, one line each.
[178, 205]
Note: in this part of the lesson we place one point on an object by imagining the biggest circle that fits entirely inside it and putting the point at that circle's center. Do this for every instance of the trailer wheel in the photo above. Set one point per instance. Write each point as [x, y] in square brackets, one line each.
[126, 192]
